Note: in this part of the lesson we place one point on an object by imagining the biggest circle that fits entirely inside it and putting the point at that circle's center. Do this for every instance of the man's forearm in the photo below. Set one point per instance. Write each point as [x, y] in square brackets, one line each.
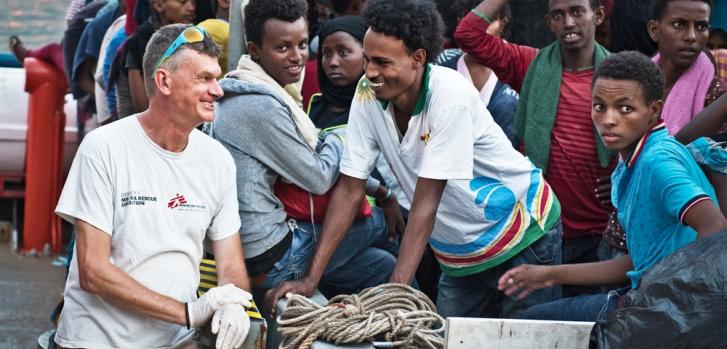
[345, 200]
[415, 240]
[97, 275]
[422, 216]
[138, 91]
[85, 76]
[231, 262]
[609, 272]
[706, 123]
[237, 277]
[112, 284]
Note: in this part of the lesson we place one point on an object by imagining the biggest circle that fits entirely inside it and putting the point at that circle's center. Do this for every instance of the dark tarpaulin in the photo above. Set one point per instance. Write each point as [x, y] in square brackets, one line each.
[680, 303]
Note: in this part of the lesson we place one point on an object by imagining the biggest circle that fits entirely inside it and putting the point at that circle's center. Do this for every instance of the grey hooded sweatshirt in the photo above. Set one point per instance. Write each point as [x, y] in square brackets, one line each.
[255, 124]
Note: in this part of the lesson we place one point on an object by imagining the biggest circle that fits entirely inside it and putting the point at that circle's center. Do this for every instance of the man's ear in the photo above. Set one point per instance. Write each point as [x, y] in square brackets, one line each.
[655, 109]
[599, 14]
[420, 57]
[158, 5]
[253, 51]
[653, 28]
[163, 81]
[547, 23]
[357, 6]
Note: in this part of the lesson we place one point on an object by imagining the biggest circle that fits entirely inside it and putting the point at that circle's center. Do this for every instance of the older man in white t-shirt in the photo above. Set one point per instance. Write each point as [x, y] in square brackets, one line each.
[143, 193]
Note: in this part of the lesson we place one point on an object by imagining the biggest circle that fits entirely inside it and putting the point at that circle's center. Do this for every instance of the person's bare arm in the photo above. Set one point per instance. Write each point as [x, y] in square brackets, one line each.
[706, 123]
[85, 76]
[230, 262]
[705, 218]
[138, 91]
[509, 61]
[346, 199]
[98, 276]
[491, 8]
[419, 228]
[525, 279]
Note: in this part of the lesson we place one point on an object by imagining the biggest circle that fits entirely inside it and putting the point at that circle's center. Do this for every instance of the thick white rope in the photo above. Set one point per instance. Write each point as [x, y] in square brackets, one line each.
[394, 313]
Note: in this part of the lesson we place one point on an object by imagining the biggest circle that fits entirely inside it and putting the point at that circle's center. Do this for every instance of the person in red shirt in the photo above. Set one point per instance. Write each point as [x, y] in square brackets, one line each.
[553, 121]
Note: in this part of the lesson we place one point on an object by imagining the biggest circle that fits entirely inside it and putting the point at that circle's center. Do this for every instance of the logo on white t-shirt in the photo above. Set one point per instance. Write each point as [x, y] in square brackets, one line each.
[180, 202]
[136, 198]
[176, 201]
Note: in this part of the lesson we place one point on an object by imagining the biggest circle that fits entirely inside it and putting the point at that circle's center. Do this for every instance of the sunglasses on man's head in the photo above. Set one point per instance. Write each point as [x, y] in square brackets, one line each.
[188, 36]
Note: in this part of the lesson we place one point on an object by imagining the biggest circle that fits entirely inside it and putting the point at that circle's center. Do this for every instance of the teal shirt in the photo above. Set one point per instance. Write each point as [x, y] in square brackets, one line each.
[652, 191]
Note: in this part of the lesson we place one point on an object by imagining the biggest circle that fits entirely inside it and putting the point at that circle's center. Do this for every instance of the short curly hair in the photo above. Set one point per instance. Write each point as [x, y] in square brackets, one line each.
[658, 7]
[593, 3]
[632, 66]
[257, 12]
[416, 22]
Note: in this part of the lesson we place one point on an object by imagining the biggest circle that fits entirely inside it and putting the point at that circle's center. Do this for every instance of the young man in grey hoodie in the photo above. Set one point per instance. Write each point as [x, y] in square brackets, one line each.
[261, 123]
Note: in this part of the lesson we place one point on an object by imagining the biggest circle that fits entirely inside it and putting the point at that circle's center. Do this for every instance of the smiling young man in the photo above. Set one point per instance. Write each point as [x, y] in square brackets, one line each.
[272, 139]
[553, 117]
[143, 193]
[661, 212]
[481, 205]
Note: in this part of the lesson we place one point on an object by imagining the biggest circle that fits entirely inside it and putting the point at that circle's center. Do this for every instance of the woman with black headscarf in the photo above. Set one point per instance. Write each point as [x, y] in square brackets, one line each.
[340, 66]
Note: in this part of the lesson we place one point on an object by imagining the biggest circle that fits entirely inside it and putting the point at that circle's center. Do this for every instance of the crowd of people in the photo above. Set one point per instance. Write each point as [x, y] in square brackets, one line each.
[366, 143]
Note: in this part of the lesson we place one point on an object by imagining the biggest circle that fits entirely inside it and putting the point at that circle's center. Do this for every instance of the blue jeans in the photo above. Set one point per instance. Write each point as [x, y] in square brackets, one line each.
[477, 295]
[364, 258]
[592, 307]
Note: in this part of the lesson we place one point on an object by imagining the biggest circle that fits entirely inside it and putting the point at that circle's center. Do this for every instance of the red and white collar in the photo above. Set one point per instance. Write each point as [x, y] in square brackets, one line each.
[640, 145]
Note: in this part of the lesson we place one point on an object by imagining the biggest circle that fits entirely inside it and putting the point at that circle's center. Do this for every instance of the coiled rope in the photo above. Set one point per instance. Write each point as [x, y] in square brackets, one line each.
[395, 313]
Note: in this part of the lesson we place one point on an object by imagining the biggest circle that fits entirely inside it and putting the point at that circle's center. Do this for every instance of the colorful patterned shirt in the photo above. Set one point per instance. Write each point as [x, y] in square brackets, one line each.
[496, 202]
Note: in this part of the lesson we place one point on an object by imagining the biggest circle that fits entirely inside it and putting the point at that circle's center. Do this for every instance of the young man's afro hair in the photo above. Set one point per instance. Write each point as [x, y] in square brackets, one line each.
[257, 12]
[416, 22]
[633, 66]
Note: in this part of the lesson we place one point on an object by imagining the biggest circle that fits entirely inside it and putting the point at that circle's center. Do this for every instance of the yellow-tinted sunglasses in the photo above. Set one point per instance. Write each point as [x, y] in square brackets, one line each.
[188, 36]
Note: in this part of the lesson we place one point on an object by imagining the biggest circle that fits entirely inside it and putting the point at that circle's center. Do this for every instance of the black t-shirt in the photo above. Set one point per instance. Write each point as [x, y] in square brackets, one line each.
[136, 45]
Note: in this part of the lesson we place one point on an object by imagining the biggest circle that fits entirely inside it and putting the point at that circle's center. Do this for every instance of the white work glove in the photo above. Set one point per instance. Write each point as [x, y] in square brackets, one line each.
[231, 325]
[201, 310]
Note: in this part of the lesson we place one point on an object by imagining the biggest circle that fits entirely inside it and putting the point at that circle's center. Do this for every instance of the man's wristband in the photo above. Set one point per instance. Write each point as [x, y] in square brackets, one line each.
[482, 15]
[186, 315]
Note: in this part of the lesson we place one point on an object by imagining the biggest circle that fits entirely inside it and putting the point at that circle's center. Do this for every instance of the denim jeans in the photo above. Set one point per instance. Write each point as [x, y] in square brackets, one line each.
[364, 258]
[477, 295]
[592, 307]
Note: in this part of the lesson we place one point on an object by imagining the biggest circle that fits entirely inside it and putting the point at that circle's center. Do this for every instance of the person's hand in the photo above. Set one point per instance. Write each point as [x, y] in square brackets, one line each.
[202, 309]
[524, 279]
[303, 287]
[603, 189]
[231, 325]
[394, 220]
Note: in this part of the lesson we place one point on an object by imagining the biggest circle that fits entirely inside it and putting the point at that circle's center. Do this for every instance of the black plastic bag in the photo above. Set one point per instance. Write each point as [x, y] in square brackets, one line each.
[680, 303]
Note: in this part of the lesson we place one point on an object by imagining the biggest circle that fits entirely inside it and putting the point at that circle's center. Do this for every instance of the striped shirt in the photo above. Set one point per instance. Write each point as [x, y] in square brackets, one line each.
[573, 165]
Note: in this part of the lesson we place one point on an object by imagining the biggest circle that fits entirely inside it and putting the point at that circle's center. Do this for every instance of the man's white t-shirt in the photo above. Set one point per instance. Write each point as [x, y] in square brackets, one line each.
[157, 206]
[495, 203]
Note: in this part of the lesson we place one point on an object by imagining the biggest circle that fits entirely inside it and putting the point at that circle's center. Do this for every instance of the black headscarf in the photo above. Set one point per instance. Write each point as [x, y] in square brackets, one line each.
[354, 25]
[628, 27]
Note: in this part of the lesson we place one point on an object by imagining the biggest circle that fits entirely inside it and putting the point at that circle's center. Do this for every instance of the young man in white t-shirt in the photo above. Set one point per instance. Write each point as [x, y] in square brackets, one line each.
[481, 205]
[143, 193]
